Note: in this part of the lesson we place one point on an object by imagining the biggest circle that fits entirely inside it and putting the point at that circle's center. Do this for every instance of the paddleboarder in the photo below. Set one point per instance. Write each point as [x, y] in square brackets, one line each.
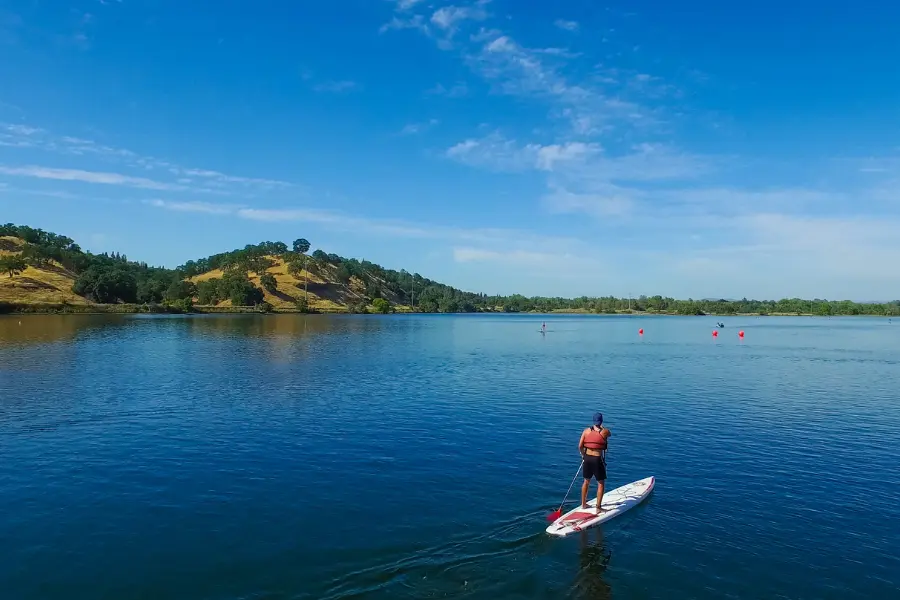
[592, 446]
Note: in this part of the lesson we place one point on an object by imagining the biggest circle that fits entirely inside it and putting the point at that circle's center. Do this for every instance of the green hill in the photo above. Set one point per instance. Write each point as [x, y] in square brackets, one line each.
[43, 271]
[46, 271]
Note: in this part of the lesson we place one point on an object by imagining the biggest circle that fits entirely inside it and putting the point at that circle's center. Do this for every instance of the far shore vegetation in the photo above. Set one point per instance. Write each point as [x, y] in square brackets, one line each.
[43, 272]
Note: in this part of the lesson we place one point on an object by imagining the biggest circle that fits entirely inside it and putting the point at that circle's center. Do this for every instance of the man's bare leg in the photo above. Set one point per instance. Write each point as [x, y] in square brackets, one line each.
[600, 487]
[584, 491]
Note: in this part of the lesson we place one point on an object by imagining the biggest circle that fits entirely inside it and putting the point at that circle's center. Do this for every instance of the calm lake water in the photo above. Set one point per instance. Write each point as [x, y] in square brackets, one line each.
[271, 457]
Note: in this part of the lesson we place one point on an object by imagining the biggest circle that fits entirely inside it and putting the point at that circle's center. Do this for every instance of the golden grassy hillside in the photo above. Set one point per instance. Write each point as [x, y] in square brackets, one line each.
[326, 292]
[48, 285]
[52, 285]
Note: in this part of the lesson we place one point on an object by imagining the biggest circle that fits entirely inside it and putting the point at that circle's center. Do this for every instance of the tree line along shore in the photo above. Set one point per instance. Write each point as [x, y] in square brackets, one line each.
[47, 272]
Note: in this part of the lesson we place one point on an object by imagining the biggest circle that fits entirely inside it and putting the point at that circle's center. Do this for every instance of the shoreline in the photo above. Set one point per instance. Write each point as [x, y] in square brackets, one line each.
[7, 308]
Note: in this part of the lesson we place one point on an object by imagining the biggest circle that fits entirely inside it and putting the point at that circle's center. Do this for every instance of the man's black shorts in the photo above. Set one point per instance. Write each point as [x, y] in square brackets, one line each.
[594, 467]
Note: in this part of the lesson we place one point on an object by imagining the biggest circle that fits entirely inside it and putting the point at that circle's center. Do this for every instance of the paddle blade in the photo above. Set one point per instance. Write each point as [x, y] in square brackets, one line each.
[554, 515]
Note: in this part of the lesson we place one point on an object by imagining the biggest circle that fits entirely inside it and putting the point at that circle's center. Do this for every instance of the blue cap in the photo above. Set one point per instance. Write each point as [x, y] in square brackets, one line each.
[598, 418]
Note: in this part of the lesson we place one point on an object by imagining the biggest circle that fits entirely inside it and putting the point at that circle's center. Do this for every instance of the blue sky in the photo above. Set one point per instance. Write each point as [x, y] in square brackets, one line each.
[692, 149]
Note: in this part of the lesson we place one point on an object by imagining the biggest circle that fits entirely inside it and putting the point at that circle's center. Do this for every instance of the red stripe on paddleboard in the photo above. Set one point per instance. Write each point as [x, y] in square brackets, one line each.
[578, 516]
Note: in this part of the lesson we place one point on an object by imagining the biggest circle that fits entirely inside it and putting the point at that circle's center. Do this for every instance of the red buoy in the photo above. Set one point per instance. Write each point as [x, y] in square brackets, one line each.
[715, 333]
[740, 334]
[641, 331]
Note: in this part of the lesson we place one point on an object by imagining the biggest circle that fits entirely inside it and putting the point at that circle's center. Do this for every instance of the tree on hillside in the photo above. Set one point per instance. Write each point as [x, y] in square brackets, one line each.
[381, 306]
[301, 246]
[12, 265]
[180, 289]
[151, 290]
[240, 290]
[38, 256]
[208, 292]
[259, 264]
[107, 285]
[269, 282]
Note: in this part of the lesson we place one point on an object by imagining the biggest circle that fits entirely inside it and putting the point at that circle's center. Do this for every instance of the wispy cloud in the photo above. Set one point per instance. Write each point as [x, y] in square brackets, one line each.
[415, 128]
[487, 238]
[566, 25]
[223, 179]
[499, 153]
[205, 180]
[336, 86]
[448, 18]
[407, 4]
[441, 25]
[90, 177]
[399, 23]
[595, 104]
[458, 90]
[22, 130]
[613, 204]
[195, 207]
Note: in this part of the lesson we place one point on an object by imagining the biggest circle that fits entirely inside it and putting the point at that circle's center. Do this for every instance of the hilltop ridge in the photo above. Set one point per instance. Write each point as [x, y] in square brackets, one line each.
[43, 271]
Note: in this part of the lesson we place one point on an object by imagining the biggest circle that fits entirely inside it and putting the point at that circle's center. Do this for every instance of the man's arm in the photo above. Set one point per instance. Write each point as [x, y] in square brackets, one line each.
[581, 443]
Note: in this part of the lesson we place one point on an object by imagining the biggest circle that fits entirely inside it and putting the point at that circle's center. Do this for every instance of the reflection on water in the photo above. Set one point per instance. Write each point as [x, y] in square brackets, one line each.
[39, 329]
[283, 325]
[593, 559]
[415, 456]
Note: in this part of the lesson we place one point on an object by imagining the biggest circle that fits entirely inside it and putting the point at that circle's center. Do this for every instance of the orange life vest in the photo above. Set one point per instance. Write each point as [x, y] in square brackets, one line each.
[595, 440]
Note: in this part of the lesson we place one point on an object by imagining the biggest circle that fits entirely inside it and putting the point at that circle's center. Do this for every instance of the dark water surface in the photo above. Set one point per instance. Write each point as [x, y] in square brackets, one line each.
[270, 457]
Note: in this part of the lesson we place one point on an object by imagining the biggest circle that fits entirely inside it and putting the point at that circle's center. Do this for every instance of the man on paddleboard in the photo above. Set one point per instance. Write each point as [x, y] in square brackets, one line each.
[592, 447]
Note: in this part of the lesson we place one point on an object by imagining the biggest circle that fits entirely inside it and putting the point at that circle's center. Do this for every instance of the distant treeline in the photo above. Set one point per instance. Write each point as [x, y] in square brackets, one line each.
[111, 278]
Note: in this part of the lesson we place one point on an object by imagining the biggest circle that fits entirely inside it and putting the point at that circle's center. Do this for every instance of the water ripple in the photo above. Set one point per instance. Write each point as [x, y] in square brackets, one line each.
[416, 457]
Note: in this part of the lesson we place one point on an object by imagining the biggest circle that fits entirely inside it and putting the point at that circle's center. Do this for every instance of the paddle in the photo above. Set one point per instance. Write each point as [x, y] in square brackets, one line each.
[558, 512]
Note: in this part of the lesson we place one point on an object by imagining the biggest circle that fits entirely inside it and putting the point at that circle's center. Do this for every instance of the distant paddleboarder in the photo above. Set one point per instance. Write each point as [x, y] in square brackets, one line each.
[592, 446]
[543, 328]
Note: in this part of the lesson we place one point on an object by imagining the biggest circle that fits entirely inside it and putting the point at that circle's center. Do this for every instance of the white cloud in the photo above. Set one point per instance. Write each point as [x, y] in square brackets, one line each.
[21, 129]
[594, 105]
[566, 25]
[500, 238]
[90, 177]
[612, 204]
[415, 128]
[222, 178]
[458, 90]
[515, 70]
[23, 136]
[498, 153]
[197, 207]
[413, 22]
[407, 4]
[449, 17]
[441, 25]
[501, 44]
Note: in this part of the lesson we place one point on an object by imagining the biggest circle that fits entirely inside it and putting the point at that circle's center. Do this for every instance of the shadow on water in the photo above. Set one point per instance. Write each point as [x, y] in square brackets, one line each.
[44, 329]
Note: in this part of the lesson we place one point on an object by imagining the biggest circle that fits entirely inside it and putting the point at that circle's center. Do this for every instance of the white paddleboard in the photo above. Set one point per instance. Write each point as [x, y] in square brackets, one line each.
[615, 502]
